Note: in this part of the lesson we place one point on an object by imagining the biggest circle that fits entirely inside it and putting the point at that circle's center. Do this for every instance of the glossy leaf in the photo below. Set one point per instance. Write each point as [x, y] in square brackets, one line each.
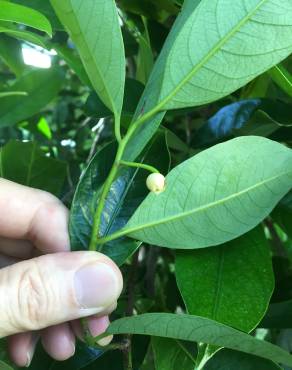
[231, 360]
[216, 196]
[41, 86]
[24, 15]
[204, 61]
[171, 354]
[125, 195]
[26, 164]
[94, 28]
[231, 284]
[198, 329]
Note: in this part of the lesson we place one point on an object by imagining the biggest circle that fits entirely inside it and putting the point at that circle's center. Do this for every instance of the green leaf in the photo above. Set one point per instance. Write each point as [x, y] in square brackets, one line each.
[242, 41]
[231, 360]
[43, 7]
[94, 28]
[94, 107]
[204, 61]
[278, 316]
[170, 354]
[282, 78]
[231, 284]
[41, 86]
[145, 58]
[126, 193]
[216, 196]
[24, 15]
[26, 164]
[14, 31]
[198, 329]
[4, 366]
[10, 53]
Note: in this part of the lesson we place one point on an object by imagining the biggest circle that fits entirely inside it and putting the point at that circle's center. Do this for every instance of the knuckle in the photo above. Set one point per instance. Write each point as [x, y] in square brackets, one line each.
[33, 299]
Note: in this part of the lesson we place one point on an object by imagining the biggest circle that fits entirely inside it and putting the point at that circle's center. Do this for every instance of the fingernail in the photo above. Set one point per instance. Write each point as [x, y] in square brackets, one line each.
[30, 353]
[96, 286]
[105, 341]
[29, 358]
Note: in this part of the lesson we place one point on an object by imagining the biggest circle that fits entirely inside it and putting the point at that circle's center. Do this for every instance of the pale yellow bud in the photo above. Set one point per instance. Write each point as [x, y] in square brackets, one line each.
[156, 182]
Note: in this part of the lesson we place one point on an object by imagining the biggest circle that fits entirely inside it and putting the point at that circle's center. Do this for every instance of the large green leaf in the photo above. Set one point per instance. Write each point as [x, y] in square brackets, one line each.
[126, 193]
[24, 15]
[203, 61]
[198, 329]
[26, 164]
[231, 360]
[231, 284]
[170, 354]
[41, 87]
[216, 196]
[94, 28]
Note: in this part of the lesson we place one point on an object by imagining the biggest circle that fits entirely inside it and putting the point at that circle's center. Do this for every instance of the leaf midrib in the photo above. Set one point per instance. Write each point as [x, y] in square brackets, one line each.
[213, 51]
[204, 207]
[113, 105]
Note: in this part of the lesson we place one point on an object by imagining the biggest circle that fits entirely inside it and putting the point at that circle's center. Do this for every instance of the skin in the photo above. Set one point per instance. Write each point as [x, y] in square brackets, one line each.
[38, 300]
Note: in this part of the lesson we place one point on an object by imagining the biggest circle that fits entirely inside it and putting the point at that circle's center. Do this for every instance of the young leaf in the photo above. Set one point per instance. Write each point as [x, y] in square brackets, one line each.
[198, 329]
[230, 360]
[231, 284]
[125, 195]
[26, 164]
[41, 87]
[94, 28]
[205, 61]
[216, 196]
[21, 14]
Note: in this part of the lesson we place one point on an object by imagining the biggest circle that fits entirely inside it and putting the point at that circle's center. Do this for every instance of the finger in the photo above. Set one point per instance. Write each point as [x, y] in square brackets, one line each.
[37, 216]
[16, 248]
[56, 288]
[96, 325]
[21, 348]
[59, 341]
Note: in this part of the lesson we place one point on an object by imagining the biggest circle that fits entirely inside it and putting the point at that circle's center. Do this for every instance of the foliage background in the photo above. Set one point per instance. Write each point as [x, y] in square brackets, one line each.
[49, 137]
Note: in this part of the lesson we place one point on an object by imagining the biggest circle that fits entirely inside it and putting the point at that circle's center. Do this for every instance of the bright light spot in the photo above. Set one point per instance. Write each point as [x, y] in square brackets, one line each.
[68, 142]
[37, 56]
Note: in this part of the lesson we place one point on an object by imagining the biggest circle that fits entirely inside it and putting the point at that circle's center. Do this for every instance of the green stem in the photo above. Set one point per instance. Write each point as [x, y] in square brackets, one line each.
[118, 127]
[140, 165]
[95, 235]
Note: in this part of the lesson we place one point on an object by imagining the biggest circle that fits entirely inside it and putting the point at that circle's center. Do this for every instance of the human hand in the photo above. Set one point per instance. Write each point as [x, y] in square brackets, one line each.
[44, 288]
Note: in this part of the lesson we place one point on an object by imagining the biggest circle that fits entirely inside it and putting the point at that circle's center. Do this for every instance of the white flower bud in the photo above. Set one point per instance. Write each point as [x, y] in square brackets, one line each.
[155, 182]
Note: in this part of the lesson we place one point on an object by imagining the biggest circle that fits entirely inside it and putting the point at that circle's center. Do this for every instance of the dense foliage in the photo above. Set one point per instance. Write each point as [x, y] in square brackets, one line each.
[199, 91]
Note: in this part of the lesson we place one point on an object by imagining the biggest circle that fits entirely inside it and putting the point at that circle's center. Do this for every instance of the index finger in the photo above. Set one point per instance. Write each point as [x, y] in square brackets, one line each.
[34, 215]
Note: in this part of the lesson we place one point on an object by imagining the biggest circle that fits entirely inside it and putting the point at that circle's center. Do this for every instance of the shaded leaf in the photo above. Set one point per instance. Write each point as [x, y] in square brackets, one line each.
[231, 284]
[171, 354]
[282, 78]
[198, 329]
[41, 87]
[26, 164]
[10, 53]
[216, 196]
[278, 316]
[230, 360]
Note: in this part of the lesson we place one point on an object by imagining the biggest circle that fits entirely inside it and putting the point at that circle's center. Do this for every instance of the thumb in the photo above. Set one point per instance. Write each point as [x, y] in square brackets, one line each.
[56, 288]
